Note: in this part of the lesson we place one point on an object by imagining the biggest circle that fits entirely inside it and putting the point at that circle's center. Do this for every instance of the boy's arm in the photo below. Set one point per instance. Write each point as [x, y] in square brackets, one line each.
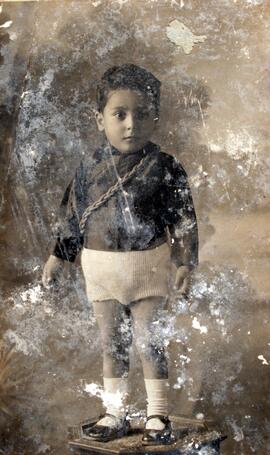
[69, 239]
[183, 229]
[184, 241]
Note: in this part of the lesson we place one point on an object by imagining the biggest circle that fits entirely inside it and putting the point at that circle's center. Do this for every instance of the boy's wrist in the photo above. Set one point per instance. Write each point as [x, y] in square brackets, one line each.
[188, 267]
[57, 257]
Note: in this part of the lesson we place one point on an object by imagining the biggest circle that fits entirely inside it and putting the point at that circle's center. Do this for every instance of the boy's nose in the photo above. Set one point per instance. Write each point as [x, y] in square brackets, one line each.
[130, 122]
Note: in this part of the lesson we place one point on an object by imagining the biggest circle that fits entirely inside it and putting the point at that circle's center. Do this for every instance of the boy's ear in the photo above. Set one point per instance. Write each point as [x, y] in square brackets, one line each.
[100, 120]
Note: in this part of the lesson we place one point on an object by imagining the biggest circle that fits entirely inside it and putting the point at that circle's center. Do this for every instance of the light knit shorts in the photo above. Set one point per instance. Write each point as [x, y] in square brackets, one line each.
[126, 276]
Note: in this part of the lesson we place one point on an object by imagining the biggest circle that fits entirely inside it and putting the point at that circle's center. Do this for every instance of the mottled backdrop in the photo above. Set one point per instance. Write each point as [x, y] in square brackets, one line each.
[213, 60]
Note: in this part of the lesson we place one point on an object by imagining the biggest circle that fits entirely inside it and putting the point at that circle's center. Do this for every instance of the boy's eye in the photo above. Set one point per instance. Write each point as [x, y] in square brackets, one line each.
[139, 115]
[120, 115]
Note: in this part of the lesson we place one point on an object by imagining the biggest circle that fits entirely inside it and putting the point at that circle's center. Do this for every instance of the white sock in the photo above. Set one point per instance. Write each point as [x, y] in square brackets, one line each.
[157, 401]
[115, 392]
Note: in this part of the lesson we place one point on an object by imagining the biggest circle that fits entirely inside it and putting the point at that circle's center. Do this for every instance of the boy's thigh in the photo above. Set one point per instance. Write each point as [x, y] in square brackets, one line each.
[149, 308]
[111, 314]
[149, 314]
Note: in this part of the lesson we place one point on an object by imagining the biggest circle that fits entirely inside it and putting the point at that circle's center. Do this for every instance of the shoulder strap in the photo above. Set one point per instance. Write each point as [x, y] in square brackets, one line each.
[109, 193]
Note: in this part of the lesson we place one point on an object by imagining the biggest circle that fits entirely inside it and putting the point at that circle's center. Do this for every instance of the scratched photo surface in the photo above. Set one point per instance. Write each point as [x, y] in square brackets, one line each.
[212, 58]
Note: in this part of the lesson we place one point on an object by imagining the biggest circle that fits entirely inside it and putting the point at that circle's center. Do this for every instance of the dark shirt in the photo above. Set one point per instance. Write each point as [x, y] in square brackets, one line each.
[155, 204]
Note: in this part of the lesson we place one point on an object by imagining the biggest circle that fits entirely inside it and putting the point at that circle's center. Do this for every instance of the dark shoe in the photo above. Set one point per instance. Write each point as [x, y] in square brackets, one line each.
[158, 437]
[104, 433]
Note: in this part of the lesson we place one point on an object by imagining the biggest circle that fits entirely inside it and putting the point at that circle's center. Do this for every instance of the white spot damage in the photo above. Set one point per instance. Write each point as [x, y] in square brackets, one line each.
[199, 178]
[13, 36]
[184, 359]
[262, 358]
[109, 399]
[181, 380]
[244, 52]
[21, 345]
[33, 310]
[33, 294]
[122, 2]
[216, 148]
[255, 2]
[6, 24]
[196, 325]
[242, 146]
[182, 36]
[238, 144]
[24, 93]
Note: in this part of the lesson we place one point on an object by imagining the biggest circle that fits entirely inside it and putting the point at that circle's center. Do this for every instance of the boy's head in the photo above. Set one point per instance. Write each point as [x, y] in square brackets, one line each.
[128, 106]
[130, 77]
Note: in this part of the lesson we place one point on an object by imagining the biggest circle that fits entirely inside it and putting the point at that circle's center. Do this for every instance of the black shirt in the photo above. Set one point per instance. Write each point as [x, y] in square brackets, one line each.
[154, 204]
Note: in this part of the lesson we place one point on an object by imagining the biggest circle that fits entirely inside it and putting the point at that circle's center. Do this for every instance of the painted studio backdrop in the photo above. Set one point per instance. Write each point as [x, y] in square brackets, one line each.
[212, 58]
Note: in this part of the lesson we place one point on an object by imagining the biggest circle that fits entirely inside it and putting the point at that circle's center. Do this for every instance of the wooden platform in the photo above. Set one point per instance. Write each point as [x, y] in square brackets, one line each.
[192, 437]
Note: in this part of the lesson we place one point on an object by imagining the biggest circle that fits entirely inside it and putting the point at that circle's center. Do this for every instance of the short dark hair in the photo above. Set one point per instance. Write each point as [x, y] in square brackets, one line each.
[128, 76]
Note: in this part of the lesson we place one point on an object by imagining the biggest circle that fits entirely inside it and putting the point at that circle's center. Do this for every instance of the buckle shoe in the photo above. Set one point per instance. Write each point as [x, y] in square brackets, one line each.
[158, 437]
[104, 433]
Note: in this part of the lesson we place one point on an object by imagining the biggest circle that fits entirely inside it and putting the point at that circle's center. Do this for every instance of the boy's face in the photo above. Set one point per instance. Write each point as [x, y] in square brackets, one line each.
[128, 120]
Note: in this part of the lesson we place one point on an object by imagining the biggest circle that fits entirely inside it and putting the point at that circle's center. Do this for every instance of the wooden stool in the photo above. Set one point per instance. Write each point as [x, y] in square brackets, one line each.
[192, 437]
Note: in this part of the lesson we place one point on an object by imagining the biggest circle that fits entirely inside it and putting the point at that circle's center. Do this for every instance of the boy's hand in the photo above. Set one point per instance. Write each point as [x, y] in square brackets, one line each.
[182, 280]
[52, 271]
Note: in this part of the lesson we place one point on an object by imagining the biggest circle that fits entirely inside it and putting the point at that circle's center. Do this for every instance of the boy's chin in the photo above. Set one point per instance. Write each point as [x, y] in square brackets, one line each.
[129, 147]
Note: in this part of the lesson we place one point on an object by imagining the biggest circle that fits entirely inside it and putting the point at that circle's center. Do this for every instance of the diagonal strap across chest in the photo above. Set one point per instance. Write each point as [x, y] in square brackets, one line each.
[113, 189]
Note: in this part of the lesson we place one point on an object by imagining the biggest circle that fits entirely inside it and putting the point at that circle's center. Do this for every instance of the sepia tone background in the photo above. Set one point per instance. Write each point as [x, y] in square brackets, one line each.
[215, 119]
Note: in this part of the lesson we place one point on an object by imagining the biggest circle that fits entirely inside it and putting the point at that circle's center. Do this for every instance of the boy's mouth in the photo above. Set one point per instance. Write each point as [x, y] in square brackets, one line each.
[130, 138]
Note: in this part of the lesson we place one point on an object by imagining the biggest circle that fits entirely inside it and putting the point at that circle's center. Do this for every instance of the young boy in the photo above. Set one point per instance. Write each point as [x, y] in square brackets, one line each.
[130, 207]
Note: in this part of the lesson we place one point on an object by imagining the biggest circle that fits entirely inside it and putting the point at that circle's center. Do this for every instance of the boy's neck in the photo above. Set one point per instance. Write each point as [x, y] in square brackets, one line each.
[114, 151]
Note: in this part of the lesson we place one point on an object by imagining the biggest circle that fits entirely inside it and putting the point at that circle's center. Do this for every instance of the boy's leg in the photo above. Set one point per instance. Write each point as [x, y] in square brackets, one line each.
[114, 323]
[147, 315]
[147, 318]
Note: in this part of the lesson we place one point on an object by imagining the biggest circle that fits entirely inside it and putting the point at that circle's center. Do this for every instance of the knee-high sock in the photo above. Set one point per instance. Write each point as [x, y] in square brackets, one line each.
[115, 392]
[157, 401]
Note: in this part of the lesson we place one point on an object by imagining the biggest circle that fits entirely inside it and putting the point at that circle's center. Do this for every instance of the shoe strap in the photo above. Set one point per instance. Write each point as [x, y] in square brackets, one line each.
[164, 419]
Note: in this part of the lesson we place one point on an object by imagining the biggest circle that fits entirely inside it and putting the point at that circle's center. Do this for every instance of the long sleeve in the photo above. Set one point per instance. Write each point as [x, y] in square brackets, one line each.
[183, 229]
[69, 239]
